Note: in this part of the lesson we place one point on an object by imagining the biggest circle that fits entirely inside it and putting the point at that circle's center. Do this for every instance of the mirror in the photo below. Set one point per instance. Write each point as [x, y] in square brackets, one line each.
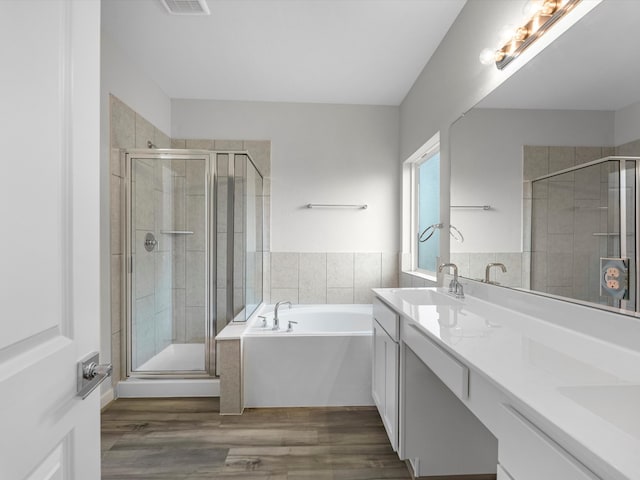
[527, 188]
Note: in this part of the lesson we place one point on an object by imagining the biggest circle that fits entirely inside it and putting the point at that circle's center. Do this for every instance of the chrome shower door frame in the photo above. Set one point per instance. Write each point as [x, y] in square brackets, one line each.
[210, 260]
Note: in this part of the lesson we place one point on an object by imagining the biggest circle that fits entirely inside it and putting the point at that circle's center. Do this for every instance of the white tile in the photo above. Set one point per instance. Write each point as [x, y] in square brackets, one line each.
[196, 222]
[195, 320]
[199, 144]
[179, 315]
[145, 132]
[123, 124]
[284, 294]
[363, 295]
[196, 176]
[390, 263]
[116, 293]
[195, 279]
[115, 214]
[340, 270]
[313, 278]
[367, 270]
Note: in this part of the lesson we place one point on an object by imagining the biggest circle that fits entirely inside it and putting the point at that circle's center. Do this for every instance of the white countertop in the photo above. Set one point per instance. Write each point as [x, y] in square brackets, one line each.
[586, 387]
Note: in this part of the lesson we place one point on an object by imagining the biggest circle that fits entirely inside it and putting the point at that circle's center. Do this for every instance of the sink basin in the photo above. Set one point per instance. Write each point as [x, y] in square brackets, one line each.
[617, 404]
[422, 296]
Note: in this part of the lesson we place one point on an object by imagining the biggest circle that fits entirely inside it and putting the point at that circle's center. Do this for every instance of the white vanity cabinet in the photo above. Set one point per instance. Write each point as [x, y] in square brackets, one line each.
[385, 368]
[527, 453]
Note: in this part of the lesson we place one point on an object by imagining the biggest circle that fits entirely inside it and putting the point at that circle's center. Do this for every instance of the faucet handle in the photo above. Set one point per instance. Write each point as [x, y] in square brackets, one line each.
[459, 292]
[264, 320]
[289, 326]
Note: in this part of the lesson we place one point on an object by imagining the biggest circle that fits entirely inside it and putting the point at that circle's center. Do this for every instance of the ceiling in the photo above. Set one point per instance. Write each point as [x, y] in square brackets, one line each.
[318, 51]
[595, 65]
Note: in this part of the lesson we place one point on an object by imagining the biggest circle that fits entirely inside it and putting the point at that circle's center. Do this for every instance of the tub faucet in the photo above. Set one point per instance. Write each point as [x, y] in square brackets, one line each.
[489, 265]
[455, 287]
[276, 320]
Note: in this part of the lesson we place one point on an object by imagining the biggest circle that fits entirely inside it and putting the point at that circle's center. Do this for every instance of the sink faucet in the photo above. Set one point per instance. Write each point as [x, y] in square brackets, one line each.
[276, 320]
[455, 287]
[489, 265]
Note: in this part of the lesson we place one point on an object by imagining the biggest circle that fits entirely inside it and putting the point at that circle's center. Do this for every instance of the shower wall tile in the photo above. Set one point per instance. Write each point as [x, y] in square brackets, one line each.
[561, 158]
[163, 322]
[196, 222]
[115, 206]
[145, 132]
[560, 218]
[123, 124]
[587, 154]
[340, 270]
[115, 163]
[260, 152]
[163, 280]
[221, 260]
[221, 308]
[199, 144]
[144, 270]
[195, 173]
[560, 243]
[178, 143]
[238, 260]
[267, 224]
[144, 197]
[179, 204]
[559, 269]
[231, 145]
[266, 278]
[195, 281]
[222, 203]
[536, 162]
[179, 315]
[631, 149]
[367, 270]
[116, 362]
[587, 183]
[238, 301]
[195, 320]
[116, 292]
[179, 168]
[162, 140]
[284, 271]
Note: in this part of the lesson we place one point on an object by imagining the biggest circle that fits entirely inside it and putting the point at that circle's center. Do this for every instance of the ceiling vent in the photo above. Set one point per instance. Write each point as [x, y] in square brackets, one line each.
[186, 7]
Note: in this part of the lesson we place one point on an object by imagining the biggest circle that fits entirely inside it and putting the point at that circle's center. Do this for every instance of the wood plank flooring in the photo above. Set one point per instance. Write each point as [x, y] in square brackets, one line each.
[187, 439]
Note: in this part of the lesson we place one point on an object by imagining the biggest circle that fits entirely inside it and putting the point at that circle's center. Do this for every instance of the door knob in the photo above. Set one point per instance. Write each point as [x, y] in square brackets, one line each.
[91, 374]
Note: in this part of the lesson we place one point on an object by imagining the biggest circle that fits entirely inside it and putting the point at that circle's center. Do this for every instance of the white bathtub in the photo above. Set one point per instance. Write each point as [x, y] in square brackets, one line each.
[324, 361]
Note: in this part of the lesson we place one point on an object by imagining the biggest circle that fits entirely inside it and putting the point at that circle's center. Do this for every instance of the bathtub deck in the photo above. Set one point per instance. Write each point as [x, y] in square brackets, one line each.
[186, 439]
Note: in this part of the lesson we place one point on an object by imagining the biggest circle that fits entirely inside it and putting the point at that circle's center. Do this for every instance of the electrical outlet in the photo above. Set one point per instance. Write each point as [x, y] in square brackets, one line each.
[614, 279]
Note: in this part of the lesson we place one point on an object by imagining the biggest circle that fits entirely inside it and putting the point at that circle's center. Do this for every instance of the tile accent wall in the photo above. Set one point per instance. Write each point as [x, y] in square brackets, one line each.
[564, 252]
[318, 278]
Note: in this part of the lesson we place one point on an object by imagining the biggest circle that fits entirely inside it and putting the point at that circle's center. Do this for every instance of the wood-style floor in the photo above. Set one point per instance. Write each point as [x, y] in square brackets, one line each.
[186, 439]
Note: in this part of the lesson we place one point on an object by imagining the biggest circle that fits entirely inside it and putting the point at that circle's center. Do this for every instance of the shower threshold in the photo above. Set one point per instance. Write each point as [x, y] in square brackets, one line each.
[176, 357]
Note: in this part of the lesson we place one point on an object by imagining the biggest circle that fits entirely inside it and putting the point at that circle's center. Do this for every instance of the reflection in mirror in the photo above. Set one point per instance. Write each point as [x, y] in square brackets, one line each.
[535, 151]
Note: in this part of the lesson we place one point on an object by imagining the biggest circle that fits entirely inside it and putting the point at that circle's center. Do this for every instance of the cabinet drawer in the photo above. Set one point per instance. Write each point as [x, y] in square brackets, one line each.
[527, 453]
[502, 474]
[387, 318]
[453, 374]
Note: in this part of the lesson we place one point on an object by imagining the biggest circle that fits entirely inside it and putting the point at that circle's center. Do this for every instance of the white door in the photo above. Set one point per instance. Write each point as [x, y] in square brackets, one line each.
[49, 236]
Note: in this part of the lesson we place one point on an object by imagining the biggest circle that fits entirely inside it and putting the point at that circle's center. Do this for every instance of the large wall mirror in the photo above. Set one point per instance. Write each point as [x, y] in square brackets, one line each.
[543, 179]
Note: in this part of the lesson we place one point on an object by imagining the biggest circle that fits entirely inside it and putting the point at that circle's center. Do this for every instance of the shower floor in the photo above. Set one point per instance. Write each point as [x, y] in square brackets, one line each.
[176, 357]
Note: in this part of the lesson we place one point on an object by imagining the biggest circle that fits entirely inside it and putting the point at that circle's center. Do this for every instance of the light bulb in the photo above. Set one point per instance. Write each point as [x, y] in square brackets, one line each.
[487, 56]
[532, 8]
[506, 33]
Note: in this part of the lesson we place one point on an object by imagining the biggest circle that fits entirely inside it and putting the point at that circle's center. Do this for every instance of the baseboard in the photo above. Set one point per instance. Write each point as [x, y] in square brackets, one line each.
[150, 388]
[106, 398]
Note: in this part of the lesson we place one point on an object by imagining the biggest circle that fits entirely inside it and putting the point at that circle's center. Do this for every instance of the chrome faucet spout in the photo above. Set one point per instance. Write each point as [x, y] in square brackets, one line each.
[276, 320]
[455, 287]
[488, 269]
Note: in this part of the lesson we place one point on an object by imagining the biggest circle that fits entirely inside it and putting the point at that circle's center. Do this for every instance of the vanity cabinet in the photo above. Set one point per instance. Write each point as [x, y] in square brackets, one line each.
[527, 453]
[385, 368]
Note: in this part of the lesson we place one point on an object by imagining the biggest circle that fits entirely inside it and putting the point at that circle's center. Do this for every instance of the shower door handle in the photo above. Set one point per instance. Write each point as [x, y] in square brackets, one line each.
[90, 374]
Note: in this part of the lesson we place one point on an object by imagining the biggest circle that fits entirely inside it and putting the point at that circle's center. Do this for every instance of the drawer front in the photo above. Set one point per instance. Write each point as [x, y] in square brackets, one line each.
[453, 374]
[387, 318]
[502, 474]
[527, 453]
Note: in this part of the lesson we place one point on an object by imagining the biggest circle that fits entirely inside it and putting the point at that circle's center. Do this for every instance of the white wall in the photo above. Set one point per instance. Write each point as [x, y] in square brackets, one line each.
[120, 77]
[627, 124]
[486, 166]
[319, 154]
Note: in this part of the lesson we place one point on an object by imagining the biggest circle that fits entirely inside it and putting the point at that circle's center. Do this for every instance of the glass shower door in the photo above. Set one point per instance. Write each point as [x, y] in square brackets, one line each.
[169, 267]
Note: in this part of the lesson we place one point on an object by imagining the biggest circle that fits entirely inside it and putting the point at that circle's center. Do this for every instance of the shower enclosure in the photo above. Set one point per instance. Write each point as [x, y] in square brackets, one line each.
[193, 228]
[583, 232]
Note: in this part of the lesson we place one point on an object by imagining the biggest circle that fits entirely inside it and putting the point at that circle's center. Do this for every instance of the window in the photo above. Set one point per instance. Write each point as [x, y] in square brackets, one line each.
[421, 210]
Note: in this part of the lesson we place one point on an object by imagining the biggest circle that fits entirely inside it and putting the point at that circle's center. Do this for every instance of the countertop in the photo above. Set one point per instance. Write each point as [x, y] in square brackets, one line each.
[587, 387]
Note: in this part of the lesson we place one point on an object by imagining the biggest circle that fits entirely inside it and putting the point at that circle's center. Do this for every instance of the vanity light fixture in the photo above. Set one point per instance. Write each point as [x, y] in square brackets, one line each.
[541, 15]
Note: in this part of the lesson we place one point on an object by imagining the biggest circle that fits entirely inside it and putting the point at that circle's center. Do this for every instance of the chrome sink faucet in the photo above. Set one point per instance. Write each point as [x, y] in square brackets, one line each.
[276, 320]
[487, 270]
[455, 287]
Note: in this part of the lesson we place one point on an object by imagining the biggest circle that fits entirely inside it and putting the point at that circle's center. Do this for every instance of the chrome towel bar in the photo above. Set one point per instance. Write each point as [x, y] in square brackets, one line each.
[336, 205]
[473, 207]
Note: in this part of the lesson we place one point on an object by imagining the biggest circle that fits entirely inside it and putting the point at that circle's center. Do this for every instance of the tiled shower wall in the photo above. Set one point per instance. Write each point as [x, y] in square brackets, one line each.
[128, 130]
[561, 215]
